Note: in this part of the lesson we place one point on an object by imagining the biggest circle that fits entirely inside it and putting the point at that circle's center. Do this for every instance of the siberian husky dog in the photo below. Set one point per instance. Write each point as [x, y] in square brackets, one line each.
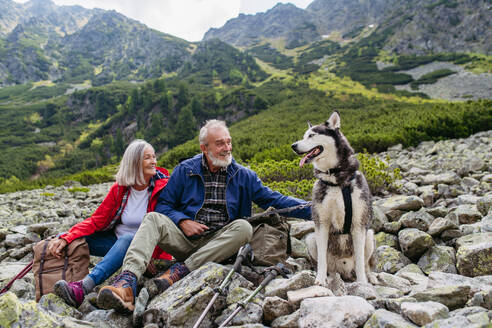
[340, 248]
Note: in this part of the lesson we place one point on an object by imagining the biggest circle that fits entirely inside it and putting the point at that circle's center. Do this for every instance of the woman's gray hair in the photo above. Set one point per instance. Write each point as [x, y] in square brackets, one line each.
[130, 171]
[209, 125]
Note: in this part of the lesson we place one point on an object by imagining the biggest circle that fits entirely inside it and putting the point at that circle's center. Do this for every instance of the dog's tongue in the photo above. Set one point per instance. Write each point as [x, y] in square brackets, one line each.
[305, 158]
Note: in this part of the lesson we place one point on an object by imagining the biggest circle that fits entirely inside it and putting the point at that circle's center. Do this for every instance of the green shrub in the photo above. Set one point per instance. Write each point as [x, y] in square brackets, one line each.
[278, 171]
[47, 194]
[378, 174]
[297, 188]
[78, 189]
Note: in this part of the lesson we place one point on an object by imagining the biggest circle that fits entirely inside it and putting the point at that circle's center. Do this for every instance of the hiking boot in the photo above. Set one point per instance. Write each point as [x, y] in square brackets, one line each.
[120, 295]
[71, 292]
[176, 272]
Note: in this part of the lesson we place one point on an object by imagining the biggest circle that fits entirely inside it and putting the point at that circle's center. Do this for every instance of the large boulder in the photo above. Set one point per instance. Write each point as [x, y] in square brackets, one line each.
[389, 259]
[414, 242]
[438, 258]
[403, 203]
[344, 311]
[474, 255]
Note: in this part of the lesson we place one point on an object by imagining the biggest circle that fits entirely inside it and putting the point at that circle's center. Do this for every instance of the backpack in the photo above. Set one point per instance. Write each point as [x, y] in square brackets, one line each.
[47, 269]
[271, 240]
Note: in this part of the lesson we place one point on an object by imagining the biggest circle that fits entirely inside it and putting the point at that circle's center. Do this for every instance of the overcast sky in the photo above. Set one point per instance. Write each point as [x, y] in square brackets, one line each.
[187, 19]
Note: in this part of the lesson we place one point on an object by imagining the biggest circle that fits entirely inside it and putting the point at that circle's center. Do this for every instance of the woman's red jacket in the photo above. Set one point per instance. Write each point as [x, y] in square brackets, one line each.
[106, 212]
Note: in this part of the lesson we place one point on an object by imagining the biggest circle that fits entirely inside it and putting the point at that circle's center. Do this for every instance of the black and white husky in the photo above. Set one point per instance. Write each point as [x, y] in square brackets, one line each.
[339, 247]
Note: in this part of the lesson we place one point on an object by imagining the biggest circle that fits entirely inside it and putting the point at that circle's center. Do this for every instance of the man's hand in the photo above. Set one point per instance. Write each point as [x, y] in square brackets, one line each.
[191, 228]
[56, 246]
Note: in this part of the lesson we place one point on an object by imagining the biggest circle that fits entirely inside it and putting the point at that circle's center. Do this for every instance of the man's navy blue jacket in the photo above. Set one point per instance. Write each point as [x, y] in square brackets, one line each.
[184, 194]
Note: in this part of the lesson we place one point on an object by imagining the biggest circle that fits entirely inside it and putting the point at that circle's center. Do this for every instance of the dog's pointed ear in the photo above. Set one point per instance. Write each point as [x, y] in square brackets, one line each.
[309, 124]
[334, 121]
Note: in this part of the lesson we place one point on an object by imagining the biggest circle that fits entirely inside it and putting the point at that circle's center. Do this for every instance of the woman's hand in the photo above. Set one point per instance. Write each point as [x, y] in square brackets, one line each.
[191, 228]
[56, 246]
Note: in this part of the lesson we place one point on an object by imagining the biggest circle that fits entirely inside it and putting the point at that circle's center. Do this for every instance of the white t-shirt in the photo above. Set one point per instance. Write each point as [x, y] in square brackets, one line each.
[135, 209]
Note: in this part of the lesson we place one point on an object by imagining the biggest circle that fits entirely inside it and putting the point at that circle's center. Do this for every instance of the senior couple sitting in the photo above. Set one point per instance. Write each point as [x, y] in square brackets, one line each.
[195, 216]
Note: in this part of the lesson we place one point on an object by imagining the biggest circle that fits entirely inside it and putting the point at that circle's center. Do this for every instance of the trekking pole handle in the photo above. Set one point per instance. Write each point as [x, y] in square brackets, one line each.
[245, 253]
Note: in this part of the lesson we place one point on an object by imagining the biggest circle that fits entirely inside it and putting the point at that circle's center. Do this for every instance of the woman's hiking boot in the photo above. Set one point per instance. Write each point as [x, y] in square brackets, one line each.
[72, 293]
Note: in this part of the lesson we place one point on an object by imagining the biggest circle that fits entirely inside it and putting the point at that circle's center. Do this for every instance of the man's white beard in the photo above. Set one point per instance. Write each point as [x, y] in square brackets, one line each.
[220, 162]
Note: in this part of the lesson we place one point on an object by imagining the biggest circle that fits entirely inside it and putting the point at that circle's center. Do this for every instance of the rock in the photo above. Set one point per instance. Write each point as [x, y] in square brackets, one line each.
[383, 318]
[389, 280]
[467, 214]
[474, 254]
[420, 220]
[394, 304]
[449, 178]
[423, 313]
[173, 307]
[298, 248]
[439, 225]
[482, 299]
[487, 223]
[287, 321]
[300, 229]
[414, 242]
[251, 314]
[295, 297]
[280, 286]
[274, 307]
[366, 291]
[452, 296]
[383, 238]
[392, 227]
[439, 211]
[388, 292]
[404, 203]
[344, 311]
[453, 322]
[378, 219]
[442, 279]
[389, 259]
[484, 204]
[438, 258]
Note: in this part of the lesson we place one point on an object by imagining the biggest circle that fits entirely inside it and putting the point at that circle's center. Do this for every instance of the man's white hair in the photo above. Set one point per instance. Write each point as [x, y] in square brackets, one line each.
[130, 171]
[210, 124]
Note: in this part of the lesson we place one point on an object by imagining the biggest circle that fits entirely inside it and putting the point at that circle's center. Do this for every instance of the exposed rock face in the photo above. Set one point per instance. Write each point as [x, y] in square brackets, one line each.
[417, 27]
[433, 258]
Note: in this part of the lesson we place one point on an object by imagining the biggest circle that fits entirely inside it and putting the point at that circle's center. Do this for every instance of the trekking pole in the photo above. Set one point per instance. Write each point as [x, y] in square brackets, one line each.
[245, 254]
[273, 272]
[21, 274]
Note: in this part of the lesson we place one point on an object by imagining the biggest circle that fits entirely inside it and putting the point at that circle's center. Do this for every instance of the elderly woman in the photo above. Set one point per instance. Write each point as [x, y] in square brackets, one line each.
[110, 230]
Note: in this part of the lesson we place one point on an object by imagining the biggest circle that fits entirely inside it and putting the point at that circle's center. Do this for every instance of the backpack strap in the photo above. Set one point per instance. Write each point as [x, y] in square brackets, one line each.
[41, 265]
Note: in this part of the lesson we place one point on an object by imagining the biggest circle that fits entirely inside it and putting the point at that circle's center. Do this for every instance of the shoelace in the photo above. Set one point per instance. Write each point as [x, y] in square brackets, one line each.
[126, 278]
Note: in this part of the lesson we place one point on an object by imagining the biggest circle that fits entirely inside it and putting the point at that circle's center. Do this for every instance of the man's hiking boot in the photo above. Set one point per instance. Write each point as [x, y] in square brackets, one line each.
[176, 272]
[120, 295]
[72, 293]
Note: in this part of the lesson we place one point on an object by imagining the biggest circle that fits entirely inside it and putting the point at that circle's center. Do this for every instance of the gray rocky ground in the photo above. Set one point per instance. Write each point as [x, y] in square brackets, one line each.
[463, 85]
[434, 257]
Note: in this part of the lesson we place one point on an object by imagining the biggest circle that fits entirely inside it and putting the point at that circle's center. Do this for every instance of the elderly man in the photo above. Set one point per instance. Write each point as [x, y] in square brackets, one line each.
[197, 218]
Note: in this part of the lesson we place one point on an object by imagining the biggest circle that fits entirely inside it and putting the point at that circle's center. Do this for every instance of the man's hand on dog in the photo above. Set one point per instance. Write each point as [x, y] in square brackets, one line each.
[192, 228]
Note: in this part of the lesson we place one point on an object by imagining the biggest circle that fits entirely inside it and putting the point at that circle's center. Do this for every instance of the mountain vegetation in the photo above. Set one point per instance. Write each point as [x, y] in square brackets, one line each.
[78, 85]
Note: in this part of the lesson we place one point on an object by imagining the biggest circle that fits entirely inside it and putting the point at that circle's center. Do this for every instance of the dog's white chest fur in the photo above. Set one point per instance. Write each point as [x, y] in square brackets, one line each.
[331, 209]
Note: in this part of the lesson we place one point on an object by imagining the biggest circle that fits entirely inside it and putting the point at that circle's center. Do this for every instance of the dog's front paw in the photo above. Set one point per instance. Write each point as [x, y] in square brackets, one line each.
[321, 280]
[373, 279]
